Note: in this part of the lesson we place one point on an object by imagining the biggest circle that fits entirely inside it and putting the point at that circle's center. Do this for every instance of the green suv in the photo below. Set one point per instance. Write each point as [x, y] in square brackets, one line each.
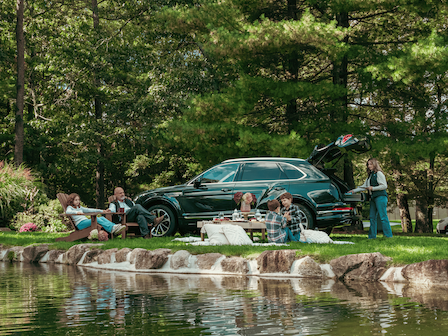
[319, 193]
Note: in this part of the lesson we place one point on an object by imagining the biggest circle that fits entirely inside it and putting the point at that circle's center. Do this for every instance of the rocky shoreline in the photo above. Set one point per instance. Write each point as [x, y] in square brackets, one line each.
[366, 267]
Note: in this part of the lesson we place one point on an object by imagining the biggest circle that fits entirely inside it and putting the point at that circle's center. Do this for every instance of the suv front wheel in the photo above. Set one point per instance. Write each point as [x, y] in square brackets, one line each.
[167, 227]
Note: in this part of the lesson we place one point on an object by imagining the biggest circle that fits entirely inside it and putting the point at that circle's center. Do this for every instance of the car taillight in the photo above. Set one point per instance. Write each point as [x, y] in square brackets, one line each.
[344, 208]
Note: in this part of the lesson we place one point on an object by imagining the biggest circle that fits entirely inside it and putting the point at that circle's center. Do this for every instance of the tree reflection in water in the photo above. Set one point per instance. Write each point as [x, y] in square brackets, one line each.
[61, 299]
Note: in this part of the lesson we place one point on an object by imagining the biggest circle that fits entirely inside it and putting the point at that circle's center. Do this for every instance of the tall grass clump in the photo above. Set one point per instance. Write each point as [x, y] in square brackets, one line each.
[19, 191]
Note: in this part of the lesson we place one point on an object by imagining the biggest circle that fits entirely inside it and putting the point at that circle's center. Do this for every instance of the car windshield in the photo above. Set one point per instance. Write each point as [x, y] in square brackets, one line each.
[220, 174]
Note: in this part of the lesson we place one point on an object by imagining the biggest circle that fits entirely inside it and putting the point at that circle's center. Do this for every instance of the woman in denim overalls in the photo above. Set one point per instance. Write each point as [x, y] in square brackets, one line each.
[376, 185]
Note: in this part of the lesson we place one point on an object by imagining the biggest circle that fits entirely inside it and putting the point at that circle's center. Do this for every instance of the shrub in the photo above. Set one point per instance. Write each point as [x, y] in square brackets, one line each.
[28, 227]
[19, 191]
[46, 217]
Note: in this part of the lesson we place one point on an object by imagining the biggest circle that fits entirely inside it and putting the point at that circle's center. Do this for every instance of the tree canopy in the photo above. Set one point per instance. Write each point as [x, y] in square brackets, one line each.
[143, 94]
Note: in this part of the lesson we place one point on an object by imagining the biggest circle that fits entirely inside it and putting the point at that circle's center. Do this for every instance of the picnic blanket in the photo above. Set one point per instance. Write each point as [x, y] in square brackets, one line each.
[229, 234]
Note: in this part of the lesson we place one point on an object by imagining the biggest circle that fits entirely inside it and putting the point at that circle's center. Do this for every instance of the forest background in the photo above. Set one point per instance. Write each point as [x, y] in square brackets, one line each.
[141, 94]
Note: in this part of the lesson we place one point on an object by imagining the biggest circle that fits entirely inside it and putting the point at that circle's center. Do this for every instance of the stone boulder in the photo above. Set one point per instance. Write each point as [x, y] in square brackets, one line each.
[134, 253]
[363, 266]
[207, 260]
[92, 256]
[75, 253]
[180, 259]
[307, 268]
[151, 259]
[106, 256]
[122, 255]
[235, 265]
[51, 256]
[430, 272]
[278, 261]
[33, 253]
[13, 254]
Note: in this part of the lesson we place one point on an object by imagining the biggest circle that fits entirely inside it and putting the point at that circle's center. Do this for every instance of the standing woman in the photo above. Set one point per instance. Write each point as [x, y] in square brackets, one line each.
[82, 222]
[376, 185]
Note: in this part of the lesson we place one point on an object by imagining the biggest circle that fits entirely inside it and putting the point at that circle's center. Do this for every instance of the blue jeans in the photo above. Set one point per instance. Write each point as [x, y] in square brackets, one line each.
[106, 224]
[378, 209]
[290, 236]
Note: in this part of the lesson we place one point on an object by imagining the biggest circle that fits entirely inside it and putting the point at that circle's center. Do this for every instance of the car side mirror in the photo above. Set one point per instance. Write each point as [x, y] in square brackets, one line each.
[197, 183]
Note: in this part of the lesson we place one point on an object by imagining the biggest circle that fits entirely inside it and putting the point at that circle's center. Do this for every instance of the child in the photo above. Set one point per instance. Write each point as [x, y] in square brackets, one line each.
[276, 225]
[82, 222]
[292, 214]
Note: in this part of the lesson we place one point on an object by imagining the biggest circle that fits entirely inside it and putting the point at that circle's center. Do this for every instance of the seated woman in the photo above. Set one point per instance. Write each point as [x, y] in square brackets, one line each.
[82, 222]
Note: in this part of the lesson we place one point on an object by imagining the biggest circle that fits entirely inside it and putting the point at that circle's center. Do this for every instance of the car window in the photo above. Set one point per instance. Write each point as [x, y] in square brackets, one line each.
[220, 174]
[291, 172]
[262, 171]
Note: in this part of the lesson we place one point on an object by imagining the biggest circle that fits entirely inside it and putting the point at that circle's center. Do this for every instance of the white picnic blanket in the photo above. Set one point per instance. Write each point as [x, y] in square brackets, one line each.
[196, 241]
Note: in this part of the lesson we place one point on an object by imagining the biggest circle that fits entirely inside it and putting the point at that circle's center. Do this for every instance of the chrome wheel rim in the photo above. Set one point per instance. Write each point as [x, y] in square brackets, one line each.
[162, 228]
[303, 219]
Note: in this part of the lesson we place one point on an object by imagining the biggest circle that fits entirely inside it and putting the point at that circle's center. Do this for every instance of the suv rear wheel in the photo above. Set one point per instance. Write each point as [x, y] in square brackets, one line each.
[167, 227]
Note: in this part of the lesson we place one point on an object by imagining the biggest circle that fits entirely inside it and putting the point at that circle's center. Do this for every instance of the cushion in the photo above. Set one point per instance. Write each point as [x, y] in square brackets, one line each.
[314, 236]
[236, 235]
[215, 234]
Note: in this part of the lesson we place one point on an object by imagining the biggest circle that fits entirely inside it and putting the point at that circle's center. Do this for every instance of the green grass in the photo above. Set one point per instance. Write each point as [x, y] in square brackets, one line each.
[403, 249]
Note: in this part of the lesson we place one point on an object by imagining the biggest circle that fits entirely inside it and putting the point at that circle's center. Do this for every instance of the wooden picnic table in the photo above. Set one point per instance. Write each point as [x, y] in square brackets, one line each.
[248, 225]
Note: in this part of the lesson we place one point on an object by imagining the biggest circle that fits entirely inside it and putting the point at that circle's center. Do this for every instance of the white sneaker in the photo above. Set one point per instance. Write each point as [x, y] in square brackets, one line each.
[117, 229]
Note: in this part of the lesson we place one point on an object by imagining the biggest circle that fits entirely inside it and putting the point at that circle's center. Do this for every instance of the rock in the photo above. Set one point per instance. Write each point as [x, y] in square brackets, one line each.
[151, 259]
[235, 265]
[33, 253]
[5, 229]
[180, 259]
[92, 256]
[430, 272]
[134, 254]
[13, 254]
[363, 266]
[122, 255]
[307, 268]
[51, 256]
[206, 261]
[75, 253]
[106, 256]
[278, 261]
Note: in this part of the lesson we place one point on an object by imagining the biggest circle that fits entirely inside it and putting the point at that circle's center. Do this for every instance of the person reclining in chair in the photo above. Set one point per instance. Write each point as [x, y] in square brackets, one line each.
[134, 212]
[74, 207]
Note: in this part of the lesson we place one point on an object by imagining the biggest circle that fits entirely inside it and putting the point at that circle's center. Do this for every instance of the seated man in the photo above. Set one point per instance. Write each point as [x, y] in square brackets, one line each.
[134, 212]
[276, 225]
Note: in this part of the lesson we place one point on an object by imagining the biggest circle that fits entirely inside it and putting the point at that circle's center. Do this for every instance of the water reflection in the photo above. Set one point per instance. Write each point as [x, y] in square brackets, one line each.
[59, 299]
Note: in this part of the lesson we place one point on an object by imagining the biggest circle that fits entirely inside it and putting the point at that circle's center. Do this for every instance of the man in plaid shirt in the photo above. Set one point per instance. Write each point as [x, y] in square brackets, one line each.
[292, 214]
[276, 225]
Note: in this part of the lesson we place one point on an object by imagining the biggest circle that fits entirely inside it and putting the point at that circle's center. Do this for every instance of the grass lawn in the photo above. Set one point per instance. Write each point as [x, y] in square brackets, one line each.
[402, 248]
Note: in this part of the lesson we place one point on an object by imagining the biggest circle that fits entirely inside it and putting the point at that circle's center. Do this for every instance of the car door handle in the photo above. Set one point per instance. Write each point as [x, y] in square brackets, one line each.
[279, 188]
[226, 189]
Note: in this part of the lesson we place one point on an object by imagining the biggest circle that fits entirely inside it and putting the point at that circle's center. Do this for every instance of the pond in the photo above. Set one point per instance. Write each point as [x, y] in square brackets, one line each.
[70, 300]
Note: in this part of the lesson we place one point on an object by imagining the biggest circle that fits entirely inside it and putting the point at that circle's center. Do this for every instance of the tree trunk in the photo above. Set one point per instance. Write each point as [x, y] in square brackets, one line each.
[421, 216]
[99, 176]
[405, 215]
[431, 198]
[293, 69]
[20, 97]
[402, 200]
